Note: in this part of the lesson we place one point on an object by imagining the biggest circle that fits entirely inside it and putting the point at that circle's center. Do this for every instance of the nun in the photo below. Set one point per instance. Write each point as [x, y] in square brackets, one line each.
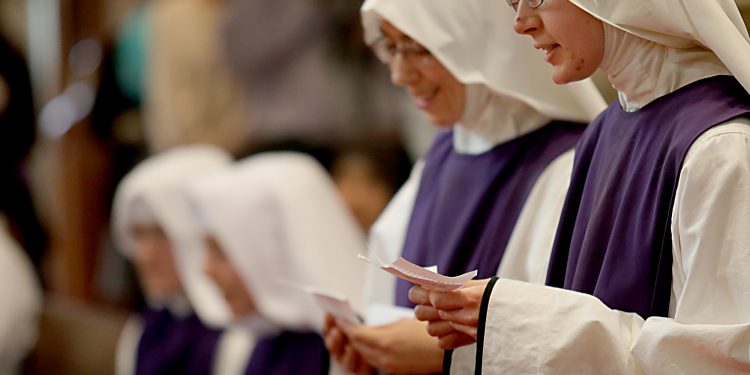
[19, 316]
[275, 224]
[488, 194]
[153, 226]
[649, 268]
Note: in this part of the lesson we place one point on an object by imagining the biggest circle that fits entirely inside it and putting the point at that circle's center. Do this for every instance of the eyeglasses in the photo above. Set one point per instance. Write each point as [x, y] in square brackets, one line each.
[533, 4]
[386, 50]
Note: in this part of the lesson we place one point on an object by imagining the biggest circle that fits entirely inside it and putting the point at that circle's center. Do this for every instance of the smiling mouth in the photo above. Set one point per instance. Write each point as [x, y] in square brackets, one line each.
[424, 100]
[549, 49]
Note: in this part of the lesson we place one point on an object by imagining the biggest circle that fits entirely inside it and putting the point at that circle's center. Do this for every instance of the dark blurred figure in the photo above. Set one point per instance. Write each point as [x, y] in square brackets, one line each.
[17, 135]
[368, 171]
[117, 123]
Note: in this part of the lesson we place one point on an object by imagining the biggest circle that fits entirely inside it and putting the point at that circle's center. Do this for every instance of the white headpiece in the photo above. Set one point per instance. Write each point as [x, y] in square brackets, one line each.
[714, 24]
[474, 40]
[156, 188]
[279, 218]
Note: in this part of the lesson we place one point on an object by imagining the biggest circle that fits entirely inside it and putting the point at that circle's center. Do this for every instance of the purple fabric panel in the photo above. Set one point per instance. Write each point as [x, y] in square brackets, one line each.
[171, 345]
[467, 205]
[289, 353]
[614, 239]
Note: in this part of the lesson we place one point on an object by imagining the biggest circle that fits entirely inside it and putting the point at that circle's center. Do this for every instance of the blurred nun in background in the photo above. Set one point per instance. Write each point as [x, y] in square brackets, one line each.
[154, 227]
[274, 222]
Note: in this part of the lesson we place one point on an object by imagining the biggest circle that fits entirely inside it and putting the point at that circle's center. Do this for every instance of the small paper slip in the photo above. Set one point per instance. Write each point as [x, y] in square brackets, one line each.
[415, 274]
[334, 304]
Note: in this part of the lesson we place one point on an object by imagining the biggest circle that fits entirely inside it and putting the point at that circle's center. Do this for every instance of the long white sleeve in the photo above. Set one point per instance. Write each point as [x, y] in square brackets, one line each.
[532, 329]
[386, 241]
[528, 251]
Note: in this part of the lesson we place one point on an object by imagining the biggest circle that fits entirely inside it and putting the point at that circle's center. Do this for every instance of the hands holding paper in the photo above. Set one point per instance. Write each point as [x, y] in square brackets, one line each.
[402, 347]
[452, 316]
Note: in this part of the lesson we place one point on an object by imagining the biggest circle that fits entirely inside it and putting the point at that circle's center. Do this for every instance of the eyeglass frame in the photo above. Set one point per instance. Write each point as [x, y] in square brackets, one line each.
[415, 53]
[514, 5]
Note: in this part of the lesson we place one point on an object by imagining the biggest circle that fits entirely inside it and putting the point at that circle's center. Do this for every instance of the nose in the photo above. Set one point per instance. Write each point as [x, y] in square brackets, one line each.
[209, 267]
[403, 73]
[527, 21]
[145, 252]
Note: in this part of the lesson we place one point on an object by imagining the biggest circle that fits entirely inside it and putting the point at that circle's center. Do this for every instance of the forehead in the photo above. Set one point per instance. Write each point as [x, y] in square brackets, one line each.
[391, 32]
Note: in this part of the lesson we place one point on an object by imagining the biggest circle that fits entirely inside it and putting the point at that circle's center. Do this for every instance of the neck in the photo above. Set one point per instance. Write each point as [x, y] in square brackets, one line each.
[642, 71]
[490, 119]
[178, 305]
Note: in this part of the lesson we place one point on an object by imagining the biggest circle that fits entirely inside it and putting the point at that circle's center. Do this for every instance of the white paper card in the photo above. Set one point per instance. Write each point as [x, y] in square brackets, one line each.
[415, 274]
[334, 304]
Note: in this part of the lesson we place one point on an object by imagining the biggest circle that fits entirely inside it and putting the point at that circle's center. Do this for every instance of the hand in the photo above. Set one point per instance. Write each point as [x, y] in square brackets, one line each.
[459, 308]
[402, 347]
[342, 351]
[448, 337]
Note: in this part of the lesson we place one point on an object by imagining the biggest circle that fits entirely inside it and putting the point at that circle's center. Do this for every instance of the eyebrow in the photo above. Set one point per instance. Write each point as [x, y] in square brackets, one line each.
[402, 37]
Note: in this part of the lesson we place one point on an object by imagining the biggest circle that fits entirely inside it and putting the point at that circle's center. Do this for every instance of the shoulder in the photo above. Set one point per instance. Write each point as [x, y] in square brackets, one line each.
[726, 142]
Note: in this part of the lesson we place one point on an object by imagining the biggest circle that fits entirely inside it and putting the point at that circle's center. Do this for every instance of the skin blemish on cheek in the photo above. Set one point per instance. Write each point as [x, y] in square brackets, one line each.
[580, 66]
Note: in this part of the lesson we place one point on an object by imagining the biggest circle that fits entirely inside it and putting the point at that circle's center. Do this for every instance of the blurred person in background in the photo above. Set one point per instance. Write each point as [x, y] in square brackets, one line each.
[22, 306]
[306, 74]
[17, 135]
[368, 171]
[488, 194]
[191, 94]
[272, 223]
[153, 226]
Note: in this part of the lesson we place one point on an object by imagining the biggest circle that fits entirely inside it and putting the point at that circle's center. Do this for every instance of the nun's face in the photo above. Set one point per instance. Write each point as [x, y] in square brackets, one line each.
[572, 39]
[218, 267]
[154, 262]
[436, 91]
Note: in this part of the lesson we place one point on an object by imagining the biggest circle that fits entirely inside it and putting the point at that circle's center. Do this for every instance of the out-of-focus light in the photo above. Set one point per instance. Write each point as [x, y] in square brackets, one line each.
[85, 57]
[66, 109]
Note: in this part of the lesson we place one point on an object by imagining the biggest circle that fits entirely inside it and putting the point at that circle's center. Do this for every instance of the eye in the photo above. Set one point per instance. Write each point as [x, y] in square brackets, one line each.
[416, 49]
[390, 47]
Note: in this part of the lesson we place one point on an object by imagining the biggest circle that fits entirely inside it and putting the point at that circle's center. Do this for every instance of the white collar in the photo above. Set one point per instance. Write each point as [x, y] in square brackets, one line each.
[642, 71]
[490, 119]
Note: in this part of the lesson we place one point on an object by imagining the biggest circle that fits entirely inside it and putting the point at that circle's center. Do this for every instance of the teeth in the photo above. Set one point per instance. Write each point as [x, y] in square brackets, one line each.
[547, 48]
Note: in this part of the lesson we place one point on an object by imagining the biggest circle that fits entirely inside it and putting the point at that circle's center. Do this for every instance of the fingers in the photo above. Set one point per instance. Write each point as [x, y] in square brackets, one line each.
[455, 340]
[448, 300]
[439, 328]
[359, 336]
[468, 317]
[468, 330]
[363, 369]
[330, 322]
[426, 313]
[350, 360]
[469, 296]
[335, 342]
[419, 295]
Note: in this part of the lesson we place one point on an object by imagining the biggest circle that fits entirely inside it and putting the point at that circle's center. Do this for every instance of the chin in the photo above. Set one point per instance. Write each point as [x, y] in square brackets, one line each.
[441, 122]
[563, 75]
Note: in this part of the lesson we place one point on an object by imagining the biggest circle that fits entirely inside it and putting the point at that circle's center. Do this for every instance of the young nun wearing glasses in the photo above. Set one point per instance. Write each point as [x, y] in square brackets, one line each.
[488, 193]
[649, 270]
[273, 222]
[180, 331]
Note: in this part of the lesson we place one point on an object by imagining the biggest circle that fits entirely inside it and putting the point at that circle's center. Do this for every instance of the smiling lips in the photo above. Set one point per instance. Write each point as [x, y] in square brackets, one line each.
[549, 49]
[424, 99]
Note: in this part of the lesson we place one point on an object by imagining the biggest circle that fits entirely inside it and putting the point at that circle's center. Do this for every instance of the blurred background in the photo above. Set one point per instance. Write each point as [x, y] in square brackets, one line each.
[88, 88]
